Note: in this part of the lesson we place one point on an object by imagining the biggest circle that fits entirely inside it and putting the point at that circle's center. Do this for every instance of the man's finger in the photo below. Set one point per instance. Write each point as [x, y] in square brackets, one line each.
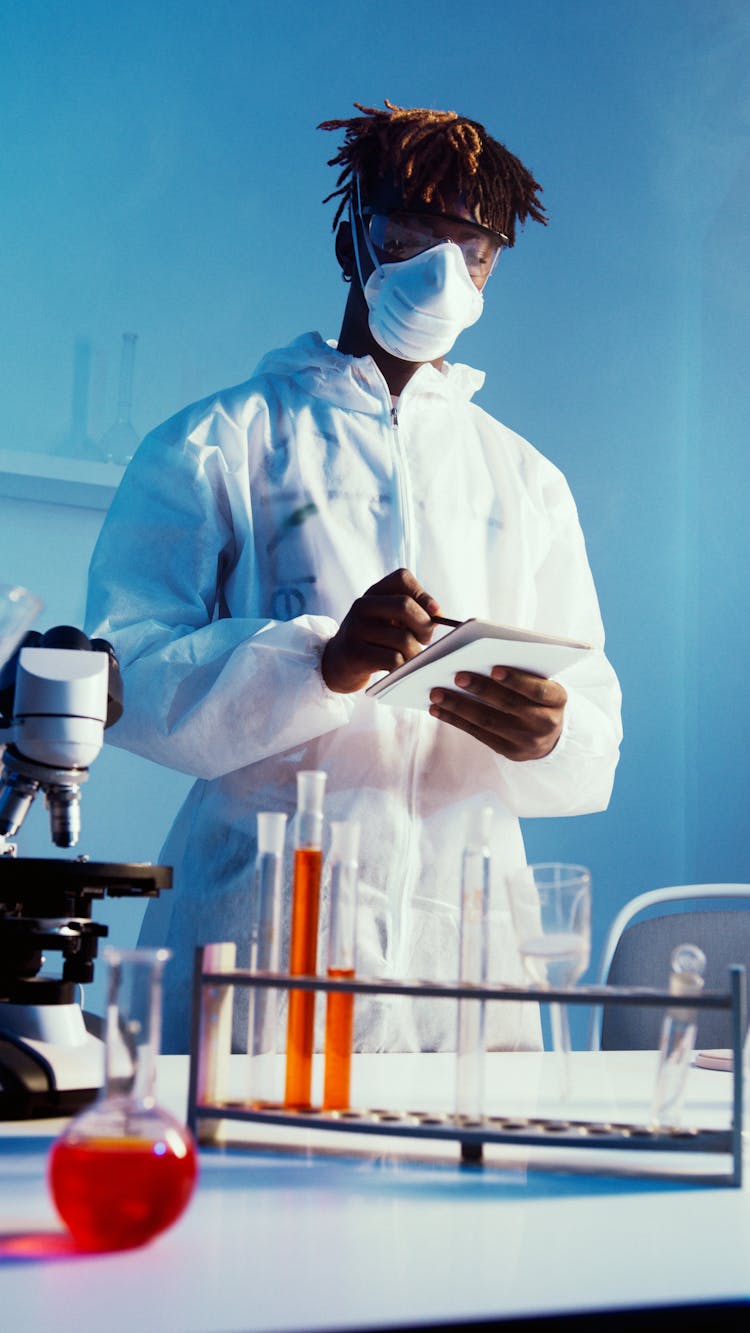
[538, 696]
[384, 634]
[526, 733]
[539, 689]
[403, 581]
[398, 610]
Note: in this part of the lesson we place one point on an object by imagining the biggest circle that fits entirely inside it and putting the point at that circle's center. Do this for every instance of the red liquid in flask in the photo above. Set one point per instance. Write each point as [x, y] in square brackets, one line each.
[116, 1193]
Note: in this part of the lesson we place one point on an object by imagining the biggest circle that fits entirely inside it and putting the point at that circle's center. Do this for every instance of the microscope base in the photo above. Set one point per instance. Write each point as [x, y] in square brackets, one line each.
[43, 1079]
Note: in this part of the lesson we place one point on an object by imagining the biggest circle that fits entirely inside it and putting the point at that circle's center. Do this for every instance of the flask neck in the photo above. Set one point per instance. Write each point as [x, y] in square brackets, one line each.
[125, 387]
[134, 1022]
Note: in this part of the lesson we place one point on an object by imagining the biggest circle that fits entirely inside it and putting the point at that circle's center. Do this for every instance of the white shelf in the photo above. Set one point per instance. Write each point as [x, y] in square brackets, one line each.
[57, 480]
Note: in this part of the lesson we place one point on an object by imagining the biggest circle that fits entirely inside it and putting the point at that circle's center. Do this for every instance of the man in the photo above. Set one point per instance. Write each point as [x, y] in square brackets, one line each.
[275, 545]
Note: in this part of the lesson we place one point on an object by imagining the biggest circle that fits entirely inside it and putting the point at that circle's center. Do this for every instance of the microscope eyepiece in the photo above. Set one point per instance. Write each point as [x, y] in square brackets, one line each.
[65, 636]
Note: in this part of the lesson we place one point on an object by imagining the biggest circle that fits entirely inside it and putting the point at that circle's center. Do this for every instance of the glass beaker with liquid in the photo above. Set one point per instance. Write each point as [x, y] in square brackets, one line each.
[550, 905]
[303, 952]
[125, 1169]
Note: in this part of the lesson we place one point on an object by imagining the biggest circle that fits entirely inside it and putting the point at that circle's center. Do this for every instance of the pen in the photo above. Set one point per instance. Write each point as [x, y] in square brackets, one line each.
[443, 620]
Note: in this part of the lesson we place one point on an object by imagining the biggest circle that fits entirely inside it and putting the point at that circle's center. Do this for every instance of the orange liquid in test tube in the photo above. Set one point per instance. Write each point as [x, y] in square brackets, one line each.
[341, 963]
[308, 864]
[339, 1033]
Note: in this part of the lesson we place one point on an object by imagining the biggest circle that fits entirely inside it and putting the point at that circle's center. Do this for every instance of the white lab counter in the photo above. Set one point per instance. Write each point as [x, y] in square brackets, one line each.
[350, 1232]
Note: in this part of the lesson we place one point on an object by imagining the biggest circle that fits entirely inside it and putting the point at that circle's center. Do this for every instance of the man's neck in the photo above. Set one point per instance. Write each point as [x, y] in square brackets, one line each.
[355, 339]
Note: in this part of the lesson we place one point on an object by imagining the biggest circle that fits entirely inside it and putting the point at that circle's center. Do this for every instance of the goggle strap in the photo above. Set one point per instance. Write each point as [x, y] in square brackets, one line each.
[353, 218]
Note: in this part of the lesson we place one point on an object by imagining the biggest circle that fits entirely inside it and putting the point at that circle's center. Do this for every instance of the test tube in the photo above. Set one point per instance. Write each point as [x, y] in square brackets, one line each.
[688, 964]
[217, 1003]
[343, 857]
[265, 912]
[475, 893]
[308, 860]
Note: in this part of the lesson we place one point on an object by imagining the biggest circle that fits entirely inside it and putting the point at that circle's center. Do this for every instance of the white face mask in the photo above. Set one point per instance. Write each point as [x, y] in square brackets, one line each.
[418, 306]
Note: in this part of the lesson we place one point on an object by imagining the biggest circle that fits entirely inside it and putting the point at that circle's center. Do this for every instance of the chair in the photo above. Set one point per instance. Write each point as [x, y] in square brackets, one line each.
[639, 954]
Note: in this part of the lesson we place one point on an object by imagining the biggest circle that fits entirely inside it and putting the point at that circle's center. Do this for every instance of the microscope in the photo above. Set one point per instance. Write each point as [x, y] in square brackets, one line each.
[58, 693]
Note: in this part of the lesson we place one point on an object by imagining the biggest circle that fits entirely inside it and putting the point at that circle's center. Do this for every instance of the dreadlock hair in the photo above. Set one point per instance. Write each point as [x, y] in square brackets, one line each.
[435, 157]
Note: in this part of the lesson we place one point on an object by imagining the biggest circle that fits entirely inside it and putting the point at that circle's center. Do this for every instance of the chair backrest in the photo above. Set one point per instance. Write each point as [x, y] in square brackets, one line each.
[638, 954]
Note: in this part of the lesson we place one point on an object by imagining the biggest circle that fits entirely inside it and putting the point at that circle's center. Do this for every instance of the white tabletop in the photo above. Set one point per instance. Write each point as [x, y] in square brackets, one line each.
[333, 1232]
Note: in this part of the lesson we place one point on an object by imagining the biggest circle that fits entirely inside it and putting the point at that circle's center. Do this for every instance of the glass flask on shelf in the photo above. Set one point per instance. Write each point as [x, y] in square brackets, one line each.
[18, 608]
[119, 443]
[124, 1169]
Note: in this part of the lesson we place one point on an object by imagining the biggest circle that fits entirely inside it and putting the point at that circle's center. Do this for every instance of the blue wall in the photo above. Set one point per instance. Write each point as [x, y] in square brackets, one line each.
[165, 173]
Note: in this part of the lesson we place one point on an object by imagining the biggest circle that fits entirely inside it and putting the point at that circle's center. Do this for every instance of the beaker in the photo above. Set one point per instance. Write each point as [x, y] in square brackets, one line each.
[344, 861]
[125, 1169]
[303, 952]
[551, 908]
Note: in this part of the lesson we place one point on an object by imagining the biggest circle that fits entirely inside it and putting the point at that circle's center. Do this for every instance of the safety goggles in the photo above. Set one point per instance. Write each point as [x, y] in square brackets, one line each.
[401, 235]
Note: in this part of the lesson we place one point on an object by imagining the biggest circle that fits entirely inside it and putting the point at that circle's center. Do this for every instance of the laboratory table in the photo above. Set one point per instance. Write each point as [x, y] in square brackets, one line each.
[308, 1230]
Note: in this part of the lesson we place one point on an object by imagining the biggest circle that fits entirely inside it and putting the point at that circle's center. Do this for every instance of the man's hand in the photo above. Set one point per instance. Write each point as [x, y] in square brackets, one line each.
[386, 627]
[516, 713]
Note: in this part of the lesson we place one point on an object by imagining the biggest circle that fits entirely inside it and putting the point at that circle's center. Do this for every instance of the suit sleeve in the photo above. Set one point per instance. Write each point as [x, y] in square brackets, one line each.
[205, 693]
[578, 774]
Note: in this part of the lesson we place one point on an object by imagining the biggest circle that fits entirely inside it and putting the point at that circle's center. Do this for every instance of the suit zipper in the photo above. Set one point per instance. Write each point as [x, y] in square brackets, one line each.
[409, 874]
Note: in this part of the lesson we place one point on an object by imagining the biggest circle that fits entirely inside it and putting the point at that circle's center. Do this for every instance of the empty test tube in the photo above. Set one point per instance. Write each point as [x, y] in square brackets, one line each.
[475, 893]
[217, 1003]
[308, 860]
[343, 858]
[265, 933]
[688, 964]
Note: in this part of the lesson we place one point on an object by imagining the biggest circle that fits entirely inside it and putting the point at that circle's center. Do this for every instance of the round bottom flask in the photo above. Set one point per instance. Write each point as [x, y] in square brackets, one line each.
[124, 1169]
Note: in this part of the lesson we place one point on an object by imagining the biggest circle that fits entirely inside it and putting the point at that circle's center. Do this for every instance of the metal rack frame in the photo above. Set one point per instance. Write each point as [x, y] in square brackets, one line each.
[204, 1114]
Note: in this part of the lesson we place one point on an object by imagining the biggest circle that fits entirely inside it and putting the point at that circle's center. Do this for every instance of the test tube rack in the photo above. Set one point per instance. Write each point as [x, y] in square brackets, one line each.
[207, 1110]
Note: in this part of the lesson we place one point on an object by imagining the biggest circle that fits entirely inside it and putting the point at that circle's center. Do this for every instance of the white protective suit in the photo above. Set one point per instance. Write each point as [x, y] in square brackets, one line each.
[242, 532]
